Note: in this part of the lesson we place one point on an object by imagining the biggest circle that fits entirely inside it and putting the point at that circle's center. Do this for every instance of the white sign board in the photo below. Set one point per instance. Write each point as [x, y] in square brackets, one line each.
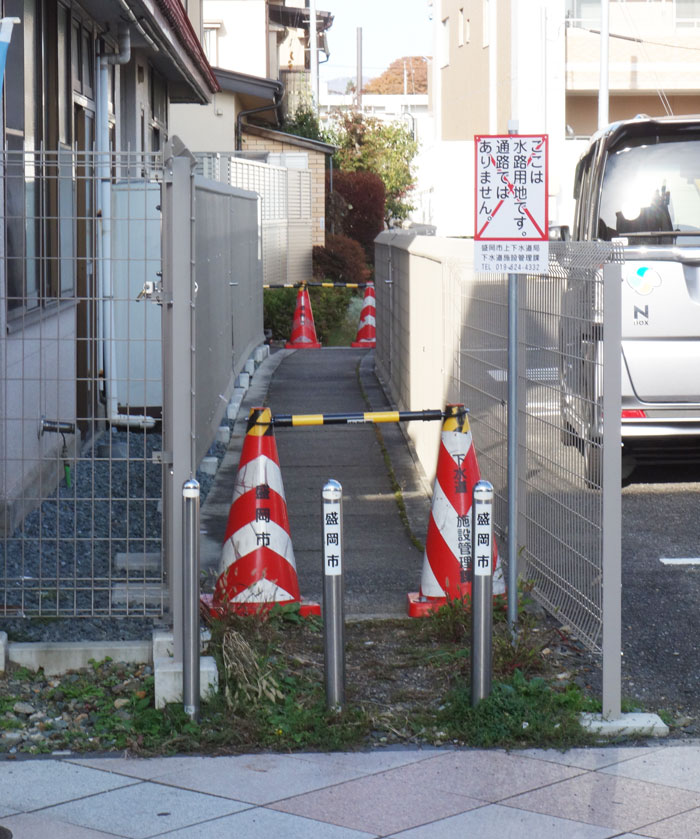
[332, 548]
[510, 203]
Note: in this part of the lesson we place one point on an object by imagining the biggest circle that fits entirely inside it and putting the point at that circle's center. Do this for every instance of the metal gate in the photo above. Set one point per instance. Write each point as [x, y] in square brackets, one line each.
[92, 404]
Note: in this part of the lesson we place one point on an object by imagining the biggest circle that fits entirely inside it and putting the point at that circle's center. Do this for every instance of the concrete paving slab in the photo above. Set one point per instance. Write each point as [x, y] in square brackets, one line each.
[588, 758]
[608, 801]
[682, 826]
[486, 775]
[366, 762]
[382, 804]
[496, 822]
[678, 767]
[144, 809]
[39, 826]
[264, 824]
[28, 785]
[256, 779]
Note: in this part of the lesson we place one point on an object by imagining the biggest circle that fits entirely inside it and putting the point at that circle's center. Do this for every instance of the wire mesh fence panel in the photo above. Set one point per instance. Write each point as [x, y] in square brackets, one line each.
[81, 396]
[476, 318]
[561, 494]
[560, 436]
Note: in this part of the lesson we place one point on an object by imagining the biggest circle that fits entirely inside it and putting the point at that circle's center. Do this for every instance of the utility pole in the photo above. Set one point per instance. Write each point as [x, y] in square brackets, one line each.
[313, 55]
[359, 68]
[604, 88]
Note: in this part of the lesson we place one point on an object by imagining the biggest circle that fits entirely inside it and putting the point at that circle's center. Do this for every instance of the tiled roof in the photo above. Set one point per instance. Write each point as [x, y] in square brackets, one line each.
[176, 16]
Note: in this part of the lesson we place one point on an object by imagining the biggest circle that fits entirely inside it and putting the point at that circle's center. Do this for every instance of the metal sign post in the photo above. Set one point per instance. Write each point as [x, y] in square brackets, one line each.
[511, 236]
[482, 590]
[333, 606]
[190, 622]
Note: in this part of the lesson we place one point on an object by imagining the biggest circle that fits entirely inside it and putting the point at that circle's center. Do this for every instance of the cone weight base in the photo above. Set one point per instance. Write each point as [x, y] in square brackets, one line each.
[307, 608]
[423, 607]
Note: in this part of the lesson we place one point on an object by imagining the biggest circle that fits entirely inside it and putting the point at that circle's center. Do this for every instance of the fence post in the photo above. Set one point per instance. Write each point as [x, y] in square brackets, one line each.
[177, 297]
[482, 590]
[333, 606]
[190, 641]
[611, 499]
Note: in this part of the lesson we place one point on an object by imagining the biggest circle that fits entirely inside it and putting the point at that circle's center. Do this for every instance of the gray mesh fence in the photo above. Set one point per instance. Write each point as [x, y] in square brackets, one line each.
[81, 394]
[560, 439]
[86, 384]
[561, 495]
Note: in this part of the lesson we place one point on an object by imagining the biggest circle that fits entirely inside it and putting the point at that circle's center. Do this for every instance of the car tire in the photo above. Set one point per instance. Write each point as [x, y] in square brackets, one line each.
[593, 463]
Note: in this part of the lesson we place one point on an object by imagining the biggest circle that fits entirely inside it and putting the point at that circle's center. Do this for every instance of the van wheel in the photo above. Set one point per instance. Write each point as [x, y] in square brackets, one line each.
[629, 464]
[568, 435]
[593, 463]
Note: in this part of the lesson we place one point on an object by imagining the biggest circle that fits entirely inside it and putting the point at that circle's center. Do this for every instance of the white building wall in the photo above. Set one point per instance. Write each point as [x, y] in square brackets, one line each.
[242, 45]
[206, 127]
[538, 96]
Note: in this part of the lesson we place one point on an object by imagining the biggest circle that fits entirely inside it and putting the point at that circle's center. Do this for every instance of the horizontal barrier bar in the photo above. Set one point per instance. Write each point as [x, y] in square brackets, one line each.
[318, 285]
[297, 420]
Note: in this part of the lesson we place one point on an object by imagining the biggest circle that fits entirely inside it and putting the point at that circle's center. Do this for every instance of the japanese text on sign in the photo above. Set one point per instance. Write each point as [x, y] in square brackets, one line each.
[331, 541]
[511, 188]
[483, 535]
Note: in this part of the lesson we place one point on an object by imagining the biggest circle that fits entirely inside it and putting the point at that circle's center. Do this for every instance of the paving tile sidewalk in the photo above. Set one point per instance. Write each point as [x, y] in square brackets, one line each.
[651, 791]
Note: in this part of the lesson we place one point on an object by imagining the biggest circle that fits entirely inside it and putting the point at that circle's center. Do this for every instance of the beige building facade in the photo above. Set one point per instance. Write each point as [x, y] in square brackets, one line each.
[296, 152]
[536, 65]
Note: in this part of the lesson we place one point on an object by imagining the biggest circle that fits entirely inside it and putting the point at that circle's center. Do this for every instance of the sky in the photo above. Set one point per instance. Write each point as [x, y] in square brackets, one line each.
[391, 29]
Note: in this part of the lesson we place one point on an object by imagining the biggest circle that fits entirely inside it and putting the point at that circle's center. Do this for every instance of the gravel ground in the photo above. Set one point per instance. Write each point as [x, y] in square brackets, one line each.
[48, 565]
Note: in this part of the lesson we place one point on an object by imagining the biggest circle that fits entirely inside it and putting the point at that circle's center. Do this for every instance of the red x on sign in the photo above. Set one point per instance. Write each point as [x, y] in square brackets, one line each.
[511, 187]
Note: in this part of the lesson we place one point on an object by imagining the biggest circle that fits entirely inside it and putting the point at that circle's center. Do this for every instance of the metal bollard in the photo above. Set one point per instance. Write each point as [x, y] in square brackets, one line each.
[190, 596]
[482, 590]
[333, 606]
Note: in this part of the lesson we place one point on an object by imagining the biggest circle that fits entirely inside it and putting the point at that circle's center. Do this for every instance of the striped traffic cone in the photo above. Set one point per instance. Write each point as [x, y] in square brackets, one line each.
[447, 562]
[367, 330]
[303, 335]
[257, 561]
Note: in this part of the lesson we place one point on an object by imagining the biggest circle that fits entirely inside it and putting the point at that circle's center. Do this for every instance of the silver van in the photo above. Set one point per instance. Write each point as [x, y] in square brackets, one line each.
[639, 183]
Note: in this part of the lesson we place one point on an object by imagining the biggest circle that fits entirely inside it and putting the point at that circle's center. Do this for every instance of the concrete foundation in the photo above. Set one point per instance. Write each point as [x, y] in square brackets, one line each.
[628, 725]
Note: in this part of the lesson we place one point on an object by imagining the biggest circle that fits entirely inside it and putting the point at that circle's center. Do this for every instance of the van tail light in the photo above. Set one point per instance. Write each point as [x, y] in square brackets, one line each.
[634, 413]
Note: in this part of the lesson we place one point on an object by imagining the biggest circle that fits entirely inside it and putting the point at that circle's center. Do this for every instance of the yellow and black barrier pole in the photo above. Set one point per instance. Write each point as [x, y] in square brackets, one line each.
[299, 420]
[317, 285]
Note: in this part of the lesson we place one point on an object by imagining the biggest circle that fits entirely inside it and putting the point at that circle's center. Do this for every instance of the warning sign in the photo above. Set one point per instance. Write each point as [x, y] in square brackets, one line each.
[510, 209]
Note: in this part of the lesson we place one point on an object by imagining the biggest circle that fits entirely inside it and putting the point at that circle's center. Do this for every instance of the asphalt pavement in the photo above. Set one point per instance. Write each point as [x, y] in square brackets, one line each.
[382, 563]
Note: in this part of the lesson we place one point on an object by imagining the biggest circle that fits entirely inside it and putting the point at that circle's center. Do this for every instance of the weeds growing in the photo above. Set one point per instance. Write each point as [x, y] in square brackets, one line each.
[407, 681]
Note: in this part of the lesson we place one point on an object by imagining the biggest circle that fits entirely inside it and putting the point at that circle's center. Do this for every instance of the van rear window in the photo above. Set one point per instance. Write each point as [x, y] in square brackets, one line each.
[651, 191]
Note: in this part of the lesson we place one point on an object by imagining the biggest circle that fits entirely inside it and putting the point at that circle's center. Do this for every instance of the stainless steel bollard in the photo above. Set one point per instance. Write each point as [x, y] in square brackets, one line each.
[333, 605]
[190, 582]
[482, 590]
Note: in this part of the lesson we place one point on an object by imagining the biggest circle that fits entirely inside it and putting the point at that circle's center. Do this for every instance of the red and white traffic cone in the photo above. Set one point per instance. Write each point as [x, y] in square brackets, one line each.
[367, 330]
[257, 561]
[303, 335]
[447, 562]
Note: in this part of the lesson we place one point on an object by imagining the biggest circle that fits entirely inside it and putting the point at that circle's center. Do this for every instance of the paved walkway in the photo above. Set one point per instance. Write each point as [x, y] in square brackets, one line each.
[381, 562]
[407, 793]
[651, 791]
